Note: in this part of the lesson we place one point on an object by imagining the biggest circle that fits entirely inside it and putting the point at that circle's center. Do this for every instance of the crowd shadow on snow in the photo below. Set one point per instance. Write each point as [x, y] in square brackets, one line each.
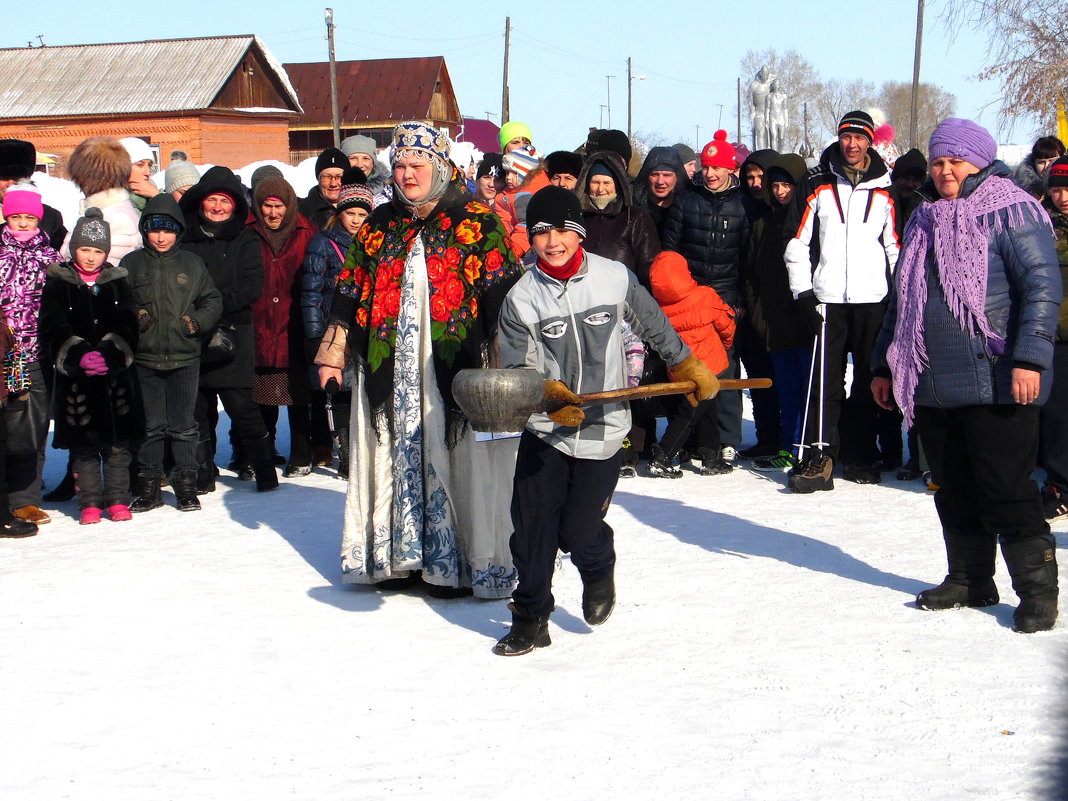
[309, 518]
[731, 536]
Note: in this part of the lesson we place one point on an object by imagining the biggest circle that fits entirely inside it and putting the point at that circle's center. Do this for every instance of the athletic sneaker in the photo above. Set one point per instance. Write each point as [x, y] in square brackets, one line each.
[1054, 503]
[783, 460]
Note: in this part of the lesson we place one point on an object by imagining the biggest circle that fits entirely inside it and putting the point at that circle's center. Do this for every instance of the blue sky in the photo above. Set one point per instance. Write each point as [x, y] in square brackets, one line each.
[561, 52]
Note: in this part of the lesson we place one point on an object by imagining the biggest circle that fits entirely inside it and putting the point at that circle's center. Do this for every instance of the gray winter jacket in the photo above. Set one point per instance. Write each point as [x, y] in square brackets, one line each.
[570, 331]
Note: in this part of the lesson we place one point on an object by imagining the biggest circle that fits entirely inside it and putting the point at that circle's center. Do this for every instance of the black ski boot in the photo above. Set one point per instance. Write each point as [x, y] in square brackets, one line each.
[527, 634]
[970, 578]
[146, 492]
[261, 452]
[1032, 564]
[184, 483]
[598, 600]
[205, 467]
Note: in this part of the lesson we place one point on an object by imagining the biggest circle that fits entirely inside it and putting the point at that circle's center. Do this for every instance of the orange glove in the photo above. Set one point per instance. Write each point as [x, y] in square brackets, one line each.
[693, 369]
[569, 414]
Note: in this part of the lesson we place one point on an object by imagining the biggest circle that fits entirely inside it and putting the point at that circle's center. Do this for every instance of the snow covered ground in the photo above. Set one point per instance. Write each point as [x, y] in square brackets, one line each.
[765, 646]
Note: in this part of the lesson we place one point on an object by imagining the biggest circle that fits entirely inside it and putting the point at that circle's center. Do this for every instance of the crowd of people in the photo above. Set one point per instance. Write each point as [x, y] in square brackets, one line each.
[356, 306]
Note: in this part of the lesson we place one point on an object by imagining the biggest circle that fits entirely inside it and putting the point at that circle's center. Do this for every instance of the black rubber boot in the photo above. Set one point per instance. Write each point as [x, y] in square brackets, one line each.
[526, 635]
[261, 452]
[598, 600]
[1032, 564]
[970, 578]
[184, 483]
[205, 467]
[146, 492]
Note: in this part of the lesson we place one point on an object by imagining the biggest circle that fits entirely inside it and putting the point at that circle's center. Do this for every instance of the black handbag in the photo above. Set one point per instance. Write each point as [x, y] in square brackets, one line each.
[221, 346]
[26, 418]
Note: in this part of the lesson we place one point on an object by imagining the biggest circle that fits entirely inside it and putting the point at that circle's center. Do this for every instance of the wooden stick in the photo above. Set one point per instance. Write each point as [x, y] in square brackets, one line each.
[670, 388]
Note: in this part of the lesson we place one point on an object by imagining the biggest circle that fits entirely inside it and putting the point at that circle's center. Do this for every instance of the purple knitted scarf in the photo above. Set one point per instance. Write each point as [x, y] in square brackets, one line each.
[959, 231]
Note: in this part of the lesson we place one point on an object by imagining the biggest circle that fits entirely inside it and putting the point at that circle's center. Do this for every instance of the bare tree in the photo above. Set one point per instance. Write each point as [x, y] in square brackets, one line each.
[1027, 52]
[895, 99]
[799, 80]
[834, 99]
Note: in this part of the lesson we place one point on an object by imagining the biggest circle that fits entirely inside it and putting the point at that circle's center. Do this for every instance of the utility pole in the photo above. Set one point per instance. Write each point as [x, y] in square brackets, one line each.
[916, 73]
[740, 110]
[334, 109]
[630, 84]
[697, 131]
[505, 111]
[609, 82]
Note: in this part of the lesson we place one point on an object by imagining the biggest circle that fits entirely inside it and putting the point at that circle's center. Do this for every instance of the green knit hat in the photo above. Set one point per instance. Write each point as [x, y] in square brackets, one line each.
[513, 130]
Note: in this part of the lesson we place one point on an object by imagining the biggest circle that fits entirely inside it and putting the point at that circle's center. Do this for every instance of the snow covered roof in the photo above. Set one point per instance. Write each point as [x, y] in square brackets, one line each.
[129, 77]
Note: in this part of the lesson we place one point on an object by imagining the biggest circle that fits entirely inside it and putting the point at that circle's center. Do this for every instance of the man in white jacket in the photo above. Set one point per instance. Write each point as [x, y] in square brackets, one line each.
[840, 260]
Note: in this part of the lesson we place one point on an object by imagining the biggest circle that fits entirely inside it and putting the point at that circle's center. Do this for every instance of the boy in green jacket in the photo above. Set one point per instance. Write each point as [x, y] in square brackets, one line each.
[177, 304]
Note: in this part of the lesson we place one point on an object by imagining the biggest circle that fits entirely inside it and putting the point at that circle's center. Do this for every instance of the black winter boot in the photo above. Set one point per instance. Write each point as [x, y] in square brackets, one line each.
[1032, 564]
[261, 453]
[146, 492]
[526, 635]
[598, 600]
[184, 483]
[660, 464]
[813, 475]
[970, 580]
[205, 467]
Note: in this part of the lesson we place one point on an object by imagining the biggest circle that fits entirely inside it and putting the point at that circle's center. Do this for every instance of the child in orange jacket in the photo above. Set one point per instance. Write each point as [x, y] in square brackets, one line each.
[705, 323]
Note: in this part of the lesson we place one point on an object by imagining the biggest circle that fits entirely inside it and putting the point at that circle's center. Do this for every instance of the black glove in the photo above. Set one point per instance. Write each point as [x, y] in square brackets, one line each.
[190, 326]
[810, 315]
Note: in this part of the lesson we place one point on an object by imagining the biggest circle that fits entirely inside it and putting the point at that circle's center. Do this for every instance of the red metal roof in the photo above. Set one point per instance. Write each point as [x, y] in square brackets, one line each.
[370, 91]
[483, 134]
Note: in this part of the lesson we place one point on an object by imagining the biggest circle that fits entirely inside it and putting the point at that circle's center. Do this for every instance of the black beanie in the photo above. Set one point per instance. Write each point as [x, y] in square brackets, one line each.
[331, 157]
[17, 159]
[490, 165]
[911, 162]
[858, 122]
[554, 207]
[1058, 173]
[616, 141]
[563, 162]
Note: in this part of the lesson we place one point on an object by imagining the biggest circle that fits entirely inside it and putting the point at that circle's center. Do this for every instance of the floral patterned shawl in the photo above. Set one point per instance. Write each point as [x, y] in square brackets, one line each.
[470, 270]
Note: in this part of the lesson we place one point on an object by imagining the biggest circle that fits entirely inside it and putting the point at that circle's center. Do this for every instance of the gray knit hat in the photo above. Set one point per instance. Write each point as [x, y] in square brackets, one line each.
[91, 231]
[359, 144]
[180, 174]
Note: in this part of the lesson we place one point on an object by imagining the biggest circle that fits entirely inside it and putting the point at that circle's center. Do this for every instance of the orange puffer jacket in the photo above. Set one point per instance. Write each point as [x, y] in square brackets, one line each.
[704, 321]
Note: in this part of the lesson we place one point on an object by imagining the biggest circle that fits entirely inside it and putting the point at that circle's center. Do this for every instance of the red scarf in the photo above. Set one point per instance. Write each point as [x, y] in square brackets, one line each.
[564, 271]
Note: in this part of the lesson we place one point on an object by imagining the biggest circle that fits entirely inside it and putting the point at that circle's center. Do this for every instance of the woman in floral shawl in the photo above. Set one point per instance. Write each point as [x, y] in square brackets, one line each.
[417, 301]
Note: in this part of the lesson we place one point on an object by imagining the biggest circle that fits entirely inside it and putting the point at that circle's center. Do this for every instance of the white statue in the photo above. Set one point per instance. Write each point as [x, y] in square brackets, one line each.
[759, 89]
[778, 117]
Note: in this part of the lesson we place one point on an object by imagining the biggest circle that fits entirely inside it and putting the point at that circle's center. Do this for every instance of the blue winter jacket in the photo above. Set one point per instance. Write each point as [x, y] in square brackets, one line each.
[1022, 304]
[321, 267]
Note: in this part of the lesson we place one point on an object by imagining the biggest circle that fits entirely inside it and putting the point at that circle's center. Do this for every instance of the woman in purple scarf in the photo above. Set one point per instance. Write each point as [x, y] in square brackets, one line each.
[966, 351]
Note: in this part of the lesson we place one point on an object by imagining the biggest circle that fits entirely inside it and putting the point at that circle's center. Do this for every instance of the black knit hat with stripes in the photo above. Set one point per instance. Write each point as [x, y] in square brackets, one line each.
[858, 122]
